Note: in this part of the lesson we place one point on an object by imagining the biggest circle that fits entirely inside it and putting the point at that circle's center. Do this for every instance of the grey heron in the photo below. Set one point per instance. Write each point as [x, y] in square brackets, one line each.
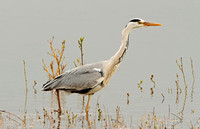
[90, 78]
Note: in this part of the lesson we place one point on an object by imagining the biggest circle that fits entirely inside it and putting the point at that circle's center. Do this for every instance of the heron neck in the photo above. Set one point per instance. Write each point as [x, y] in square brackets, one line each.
[118, 57]
[115, 60]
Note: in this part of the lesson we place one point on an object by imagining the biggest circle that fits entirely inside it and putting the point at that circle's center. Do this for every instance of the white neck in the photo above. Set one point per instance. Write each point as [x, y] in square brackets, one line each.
[117, 58]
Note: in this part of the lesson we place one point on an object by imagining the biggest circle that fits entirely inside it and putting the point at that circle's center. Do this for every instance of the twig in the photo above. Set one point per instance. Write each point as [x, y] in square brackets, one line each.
[52, 71]
[74, 63]
[13, 120]
[46, 69]
[57, 54]
[13, 115]
[192, 92]
[180, 120]
[80, 42]
[25, 76]
[62, 50]
[177, 117]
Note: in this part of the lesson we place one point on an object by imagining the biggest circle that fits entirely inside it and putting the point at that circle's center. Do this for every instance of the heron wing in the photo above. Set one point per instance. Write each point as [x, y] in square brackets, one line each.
[78, 79]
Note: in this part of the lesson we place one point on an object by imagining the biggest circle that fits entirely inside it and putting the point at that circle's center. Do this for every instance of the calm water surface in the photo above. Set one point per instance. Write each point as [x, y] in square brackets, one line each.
[26, 28]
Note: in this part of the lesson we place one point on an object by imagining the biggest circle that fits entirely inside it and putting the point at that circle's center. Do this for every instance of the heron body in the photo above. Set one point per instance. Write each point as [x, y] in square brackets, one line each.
[90, 78]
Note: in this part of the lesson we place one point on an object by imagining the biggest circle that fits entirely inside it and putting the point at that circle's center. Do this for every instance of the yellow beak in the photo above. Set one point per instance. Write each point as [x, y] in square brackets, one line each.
[151, 24]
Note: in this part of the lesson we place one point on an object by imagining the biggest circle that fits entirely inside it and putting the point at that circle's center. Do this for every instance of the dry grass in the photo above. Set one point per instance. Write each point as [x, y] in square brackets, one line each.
[101, 119]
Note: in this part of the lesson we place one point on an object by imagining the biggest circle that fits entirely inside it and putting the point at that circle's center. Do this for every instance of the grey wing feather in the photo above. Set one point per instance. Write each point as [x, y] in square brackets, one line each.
[77, 79]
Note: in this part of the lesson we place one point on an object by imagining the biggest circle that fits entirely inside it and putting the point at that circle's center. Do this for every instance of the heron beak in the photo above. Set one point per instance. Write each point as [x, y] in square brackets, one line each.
[151, 24]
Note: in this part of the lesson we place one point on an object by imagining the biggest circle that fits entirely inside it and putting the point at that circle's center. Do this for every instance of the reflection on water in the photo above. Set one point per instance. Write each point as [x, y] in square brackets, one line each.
[180, 66]
[59, 122]
[35, 83]
[178, 89]
[25, 107]
[127, 101]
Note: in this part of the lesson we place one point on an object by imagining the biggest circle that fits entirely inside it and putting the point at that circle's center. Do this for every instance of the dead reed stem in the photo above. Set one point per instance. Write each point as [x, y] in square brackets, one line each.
[193, 82]
[25, 76]
[178, 89]
[57, 55]
[13, 115]
[180, 66]
[80, 42]
[13, 120]
[25, 111]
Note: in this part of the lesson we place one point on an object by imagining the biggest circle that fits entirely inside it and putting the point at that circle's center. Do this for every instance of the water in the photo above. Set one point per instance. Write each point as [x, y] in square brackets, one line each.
[26, 28]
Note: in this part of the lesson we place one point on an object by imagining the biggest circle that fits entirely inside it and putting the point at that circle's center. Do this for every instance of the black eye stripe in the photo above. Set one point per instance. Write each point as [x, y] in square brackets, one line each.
[135, 20]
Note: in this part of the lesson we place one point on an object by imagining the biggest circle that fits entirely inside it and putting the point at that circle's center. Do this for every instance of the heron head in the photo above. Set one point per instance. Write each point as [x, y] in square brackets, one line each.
[137, 22]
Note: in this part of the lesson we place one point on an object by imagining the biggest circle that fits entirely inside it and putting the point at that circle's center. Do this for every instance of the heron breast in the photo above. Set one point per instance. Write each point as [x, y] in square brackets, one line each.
[110, 74]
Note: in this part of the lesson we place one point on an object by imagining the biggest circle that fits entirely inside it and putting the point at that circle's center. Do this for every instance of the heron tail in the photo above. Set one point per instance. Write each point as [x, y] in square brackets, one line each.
[47, 86]
[51, 84]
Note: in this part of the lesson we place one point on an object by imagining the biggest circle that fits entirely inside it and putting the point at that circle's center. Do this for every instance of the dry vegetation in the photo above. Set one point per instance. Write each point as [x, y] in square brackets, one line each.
[57, 55]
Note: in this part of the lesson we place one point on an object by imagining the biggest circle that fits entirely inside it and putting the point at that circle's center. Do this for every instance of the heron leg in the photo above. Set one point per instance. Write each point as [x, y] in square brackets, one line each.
[87, 108]
[88, 104]
[59, 106]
